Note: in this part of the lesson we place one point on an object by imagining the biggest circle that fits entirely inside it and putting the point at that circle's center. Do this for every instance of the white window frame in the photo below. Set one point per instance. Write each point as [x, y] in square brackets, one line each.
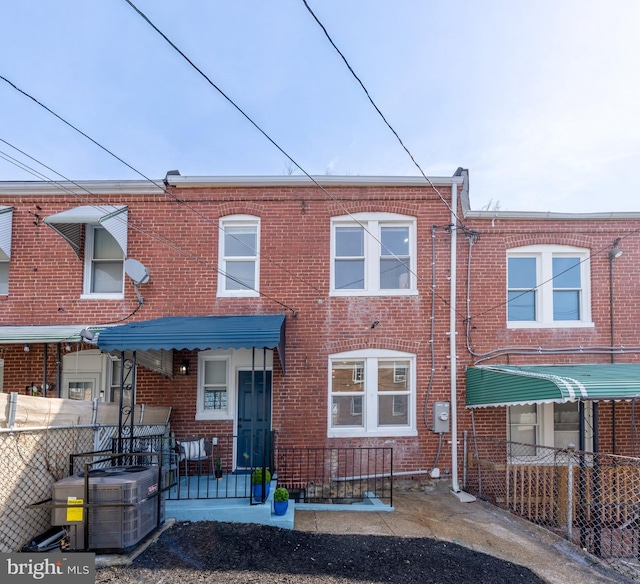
[88, 264]
[370, 394]
[238, 221]
[545, 433]
[373, 224]
[544, 255]
[201, 412]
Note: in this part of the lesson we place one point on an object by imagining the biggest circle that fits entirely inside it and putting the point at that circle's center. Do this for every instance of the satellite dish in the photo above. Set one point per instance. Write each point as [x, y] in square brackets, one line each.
[136, 271]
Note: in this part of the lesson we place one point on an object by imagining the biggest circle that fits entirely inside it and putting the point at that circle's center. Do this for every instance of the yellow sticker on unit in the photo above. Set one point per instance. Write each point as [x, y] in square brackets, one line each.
[74, 513]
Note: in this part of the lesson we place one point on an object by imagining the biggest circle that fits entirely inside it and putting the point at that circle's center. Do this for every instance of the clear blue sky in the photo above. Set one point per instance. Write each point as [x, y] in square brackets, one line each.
[539, 100]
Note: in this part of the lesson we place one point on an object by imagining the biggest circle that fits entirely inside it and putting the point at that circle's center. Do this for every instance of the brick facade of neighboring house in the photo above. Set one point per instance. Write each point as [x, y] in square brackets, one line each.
[604, 290]
[353, 314]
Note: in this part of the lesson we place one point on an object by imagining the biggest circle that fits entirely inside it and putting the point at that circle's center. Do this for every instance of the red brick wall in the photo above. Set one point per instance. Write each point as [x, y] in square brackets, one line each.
[46, 283]
[180, 247]
[488, 331]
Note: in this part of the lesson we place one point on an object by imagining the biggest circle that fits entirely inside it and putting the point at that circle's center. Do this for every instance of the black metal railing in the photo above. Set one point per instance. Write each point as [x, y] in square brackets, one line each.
[336, 475]
[221, 467]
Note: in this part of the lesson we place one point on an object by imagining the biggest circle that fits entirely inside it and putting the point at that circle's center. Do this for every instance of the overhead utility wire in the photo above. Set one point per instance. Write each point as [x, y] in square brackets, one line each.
[273, 142]
[81, 132]
[160, 186]
[471, 233]
[373, 103]
[162, 240]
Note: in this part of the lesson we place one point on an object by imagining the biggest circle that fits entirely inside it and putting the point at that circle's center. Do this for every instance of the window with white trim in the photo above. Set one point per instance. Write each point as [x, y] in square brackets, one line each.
[554, 425]
[372, 393]
[4, 273]
[239, 262]
[104, 264]
[373, 254]
[548, 286]
[214, 399]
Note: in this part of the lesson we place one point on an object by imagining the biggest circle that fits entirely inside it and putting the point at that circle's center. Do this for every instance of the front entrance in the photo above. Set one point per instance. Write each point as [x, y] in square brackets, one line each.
[254, 419]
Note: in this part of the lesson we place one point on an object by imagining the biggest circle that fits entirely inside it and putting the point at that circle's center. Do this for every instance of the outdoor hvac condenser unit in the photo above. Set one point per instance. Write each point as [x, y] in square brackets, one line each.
[114, 528]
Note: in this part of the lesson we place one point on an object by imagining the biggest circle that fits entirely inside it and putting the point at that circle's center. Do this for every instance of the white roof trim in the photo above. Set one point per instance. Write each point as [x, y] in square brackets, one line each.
[548, 215]
[80, 187]
[324, 180]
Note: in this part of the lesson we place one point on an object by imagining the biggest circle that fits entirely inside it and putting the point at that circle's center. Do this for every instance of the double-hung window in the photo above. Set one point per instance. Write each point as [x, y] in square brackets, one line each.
[213, 387]
[372, 393]
[373, 254]
[534, 426]
[548, 286]
[104, 263]
[239, 264]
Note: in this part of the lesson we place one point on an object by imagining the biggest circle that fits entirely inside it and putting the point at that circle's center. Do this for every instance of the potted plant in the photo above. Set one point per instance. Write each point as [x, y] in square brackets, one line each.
[257, 480]
[218, 468]
[280, 500]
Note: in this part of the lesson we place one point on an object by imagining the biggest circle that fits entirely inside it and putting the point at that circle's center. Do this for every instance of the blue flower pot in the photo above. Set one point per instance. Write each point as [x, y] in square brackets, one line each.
[257, 492]
[280, 507]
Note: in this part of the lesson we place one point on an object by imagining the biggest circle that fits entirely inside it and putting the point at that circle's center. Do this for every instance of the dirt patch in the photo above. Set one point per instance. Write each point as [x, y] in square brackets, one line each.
[234, 553]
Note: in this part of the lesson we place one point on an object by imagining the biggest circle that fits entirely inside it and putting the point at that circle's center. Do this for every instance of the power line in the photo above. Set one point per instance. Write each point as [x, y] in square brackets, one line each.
[276, 145]
[160, 186]
[160, 239]
[373, 103]
[81, 132]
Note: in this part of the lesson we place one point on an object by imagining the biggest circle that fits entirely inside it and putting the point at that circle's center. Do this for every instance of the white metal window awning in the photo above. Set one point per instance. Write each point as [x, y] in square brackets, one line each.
[69, 223]
[6, 217]
[11, 335]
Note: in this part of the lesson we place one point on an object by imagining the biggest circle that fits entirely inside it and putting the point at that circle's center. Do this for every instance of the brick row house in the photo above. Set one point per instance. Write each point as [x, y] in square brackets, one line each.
[331, 297]
[551, 330]
[368, 311]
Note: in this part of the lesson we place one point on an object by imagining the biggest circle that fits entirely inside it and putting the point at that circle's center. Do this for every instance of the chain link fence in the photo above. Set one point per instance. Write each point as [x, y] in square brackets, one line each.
[34, 459]
[592, 500]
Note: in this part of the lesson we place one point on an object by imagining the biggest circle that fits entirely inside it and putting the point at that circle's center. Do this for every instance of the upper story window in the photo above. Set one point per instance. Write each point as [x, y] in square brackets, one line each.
[373, 254]
[6, 216]
[104, 263]
[548, 286]
[239, 263]
[105, 245]
[372, 393]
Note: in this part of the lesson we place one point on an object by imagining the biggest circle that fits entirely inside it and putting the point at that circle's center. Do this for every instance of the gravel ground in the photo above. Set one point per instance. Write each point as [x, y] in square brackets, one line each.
[234, 553]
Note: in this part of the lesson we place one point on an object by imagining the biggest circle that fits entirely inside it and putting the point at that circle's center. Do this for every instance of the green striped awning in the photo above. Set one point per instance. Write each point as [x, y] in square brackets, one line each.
[500, 385]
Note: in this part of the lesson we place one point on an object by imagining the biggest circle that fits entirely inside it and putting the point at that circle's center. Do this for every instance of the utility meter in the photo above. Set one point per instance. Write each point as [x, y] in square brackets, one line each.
[441, 417]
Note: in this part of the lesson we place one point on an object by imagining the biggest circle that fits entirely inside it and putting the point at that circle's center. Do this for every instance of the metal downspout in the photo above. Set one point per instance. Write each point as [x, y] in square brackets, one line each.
[453, 356]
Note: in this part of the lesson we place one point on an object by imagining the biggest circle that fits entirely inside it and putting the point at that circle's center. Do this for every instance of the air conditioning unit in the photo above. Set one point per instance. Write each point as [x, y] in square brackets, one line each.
[112, 528]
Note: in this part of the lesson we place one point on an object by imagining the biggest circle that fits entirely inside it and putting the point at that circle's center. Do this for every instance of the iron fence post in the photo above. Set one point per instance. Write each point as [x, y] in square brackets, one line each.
[570, 451]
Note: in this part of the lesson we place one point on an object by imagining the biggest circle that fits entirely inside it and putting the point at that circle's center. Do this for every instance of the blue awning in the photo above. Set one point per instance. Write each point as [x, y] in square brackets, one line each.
[198, 332]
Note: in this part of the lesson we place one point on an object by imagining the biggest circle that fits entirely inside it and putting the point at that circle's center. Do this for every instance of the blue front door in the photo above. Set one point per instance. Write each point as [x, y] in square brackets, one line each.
[254, 419]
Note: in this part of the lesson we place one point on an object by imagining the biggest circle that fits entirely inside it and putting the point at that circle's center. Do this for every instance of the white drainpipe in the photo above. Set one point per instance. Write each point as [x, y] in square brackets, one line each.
[455, 487]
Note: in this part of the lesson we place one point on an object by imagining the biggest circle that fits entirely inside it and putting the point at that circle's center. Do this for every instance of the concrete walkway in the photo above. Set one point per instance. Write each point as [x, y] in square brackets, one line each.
[476, 525]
